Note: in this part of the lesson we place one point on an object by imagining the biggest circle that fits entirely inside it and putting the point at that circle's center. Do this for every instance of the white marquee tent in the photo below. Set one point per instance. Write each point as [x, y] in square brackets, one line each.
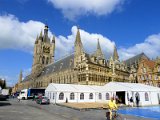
[59, 93]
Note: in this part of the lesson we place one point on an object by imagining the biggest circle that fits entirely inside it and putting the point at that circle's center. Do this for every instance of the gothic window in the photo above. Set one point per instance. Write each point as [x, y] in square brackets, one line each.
[72, 96]
[61, 96]
[91, 96]
[107, 96]
[158, 68]
[146, 97]
[100, 96]
[43, 59]
[47, 60]
[82, 96]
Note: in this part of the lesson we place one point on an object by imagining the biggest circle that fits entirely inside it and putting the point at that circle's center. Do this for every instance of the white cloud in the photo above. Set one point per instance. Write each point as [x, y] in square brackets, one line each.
[73, 8]
[18, 35]
[150, 46]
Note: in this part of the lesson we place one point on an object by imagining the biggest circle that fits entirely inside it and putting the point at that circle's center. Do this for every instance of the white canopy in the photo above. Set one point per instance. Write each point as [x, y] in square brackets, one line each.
[121, 86]
[110, 87]
[69, 88]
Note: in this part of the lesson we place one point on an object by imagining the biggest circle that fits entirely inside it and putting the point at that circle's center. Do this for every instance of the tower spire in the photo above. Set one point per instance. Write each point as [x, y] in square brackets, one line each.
[78, 44]
[98, 52]
[115, 54]
[20, 77]
[36, 40]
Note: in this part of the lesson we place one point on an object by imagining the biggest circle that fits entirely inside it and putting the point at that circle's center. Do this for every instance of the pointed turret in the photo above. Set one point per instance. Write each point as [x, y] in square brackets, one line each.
[36, 40]
[78, 44]
[98, 52]
[20, 77]
[115, 54]
[53, 39]
[40, 36]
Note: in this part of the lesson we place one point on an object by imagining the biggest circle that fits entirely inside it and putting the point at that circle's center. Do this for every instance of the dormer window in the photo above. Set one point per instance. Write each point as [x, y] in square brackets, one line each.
[71, 62]
[61, 65]
[104, 62]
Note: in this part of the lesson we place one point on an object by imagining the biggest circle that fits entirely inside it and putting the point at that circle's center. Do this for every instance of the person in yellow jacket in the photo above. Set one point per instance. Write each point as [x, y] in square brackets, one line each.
[112, 106]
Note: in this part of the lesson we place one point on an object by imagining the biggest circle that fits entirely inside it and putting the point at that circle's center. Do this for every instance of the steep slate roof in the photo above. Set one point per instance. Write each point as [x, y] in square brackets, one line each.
[134, 59]
[60, 65]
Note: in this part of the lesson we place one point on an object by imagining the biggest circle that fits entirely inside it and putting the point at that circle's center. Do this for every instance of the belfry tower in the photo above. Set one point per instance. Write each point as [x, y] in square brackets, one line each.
[43, 52]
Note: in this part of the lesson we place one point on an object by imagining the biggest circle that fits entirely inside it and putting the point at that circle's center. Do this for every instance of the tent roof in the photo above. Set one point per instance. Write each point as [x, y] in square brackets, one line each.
[112, 86]
[121, 86]
[70, 88]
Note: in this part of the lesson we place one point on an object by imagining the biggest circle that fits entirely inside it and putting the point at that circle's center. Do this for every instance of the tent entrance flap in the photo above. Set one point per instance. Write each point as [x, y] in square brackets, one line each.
[121, 97]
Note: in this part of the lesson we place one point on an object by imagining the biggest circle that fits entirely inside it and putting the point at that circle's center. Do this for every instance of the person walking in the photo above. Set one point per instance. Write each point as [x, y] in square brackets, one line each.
[137, 100]
[131, 102]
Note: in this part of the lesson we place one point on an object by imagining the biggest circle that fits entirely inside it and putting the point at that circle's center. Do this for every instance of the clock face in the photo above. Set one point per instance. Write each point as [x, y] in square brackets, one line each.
[46, 49]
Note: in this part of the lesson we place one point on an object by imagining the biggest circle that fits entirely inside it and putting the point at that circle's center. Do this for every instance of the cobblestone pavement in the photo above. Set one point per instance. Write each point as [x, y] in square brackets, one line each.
[29, 110]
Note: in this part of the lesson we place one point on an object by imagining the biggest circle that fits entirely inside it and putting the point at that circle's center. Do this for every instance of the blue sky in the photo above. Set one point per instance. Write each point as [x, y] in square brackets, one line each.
[133, 25]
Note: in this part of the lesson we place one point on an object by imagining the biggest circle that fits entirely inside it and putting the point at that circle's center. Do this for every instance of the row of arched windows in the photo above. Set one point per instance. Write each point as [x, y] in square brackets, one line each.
[107, 95]
[72, 96]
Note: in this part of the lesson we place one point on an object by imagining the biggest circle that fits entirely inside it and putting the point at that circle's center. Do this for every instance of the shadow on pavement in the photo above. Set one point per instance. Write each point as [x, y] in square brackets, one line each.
[4, 103]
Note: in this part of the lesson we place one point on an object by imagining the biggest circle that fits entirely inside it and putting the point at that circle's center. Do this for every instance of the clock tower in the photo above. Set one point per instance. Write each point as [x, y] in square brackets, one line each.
[44, 50]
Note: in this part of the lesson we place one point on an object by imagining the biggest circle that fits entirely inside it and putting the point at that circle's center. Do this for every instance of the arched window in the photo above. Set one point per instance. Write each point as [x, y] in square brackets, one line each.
[72, 96]
[43, 59]
[137, 96]
[100, 96]
[82, 96]
[146, 97]
[61, 96]
[47, 60]
[107, 96]
[91, 96]
[53, 96]
[50, 95]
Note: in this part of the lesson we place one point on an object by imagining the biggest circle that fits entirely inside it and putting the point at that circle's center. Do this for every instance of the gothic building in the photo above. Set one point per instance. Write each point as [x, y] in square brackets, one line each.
[77, 68]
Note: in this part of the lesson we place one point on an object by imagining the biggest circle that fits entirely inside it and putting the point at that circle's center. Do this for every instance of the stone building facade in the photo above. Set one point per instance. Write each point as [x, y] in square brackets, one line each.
[78, 67]
[149, 72]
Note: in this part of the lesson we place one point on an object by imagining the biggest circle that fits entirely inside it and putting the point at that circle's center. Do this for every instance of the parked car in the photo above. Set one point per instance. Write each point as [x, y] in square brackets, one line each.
[42, 100]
